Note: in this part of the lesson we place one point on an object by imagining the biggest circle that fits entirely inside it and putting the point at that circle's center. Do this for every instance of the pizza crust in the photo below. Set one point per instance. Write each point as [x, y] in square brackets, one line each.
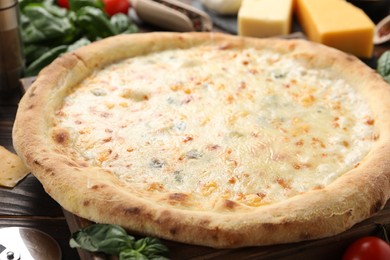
[98, 195]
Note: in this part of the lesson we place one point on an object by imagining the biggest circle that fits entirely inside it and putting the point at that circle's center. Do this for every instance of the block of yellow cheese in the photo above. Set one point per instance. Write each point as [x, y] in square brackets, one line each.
[265, 18]
[338, 24]
[12, 169]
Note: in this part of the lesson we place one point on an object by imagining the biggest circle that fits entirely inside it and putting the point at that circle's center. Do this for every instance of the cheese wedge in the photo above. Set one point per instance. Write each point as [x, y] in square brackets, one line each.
[265, 18]
[12, 169]
[338, 24]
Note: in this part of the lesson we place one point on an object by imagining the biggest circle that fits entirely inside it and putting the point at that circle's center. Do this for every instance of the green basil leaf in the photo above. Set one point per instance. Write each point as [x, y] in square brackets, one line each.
[24, 3]
[34, 68]
[151, 247]
[33, 52]
[54, 9]
[109, 239]
[94, 23]
[44, 26]
[130, 254]
[120, 21]
[79, 43]
[123, 23]
[383, 67]
[75, 5]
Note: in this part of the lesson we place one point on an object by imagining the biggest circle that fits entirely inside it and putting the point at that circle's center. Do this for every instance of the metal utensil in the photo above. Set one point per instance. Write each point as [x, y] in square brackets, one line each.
[20, 243]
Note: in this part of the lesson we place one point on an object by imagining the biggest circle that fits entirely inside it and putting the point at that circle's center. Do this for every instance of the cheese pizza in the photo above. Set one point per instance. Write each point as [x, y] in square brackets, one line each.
[210, 139]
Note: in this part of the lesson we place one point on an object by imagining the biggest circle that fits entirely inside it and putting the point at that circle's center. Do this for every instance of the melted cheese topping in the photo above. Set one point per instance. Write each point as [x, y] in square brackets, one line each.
[250, 125]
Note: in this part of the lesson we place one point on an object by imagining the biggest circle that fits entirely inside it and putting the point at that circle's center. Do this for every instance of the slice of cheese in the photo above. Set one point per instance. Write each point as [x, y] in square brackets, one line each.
[12, 169]
[338, 24]
[265, 18]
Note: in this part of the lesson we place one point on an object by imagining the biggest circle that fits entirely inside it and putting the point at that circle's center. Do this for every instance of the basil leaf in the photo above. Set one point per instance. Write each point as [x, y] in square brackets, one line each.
[46, 58]
[33, 52]
[54, 9]
[43, 25]
[383, 67]
[130, 254]
[120, 21]
[75, 5]
[94, 23]
[109, 239]
[151, 247]
[79, 43]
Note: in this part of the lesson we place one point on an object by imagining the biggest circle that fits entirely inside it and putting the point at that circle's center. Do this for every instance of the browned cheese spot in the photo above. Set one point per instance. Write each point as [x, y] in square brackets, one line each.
[49, 171]
[61, 136]
[37, 162]
[230, 204]
[180, 197]
[98, 186]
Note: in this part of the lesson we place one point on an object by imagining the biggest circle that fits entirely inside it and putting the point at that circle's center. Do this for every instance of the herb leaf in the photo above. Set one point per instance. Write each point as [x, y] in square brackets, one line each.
[383, 67]
[109, 239]
[131, 254]
[46, 26]
[113, 240]
[150, 247]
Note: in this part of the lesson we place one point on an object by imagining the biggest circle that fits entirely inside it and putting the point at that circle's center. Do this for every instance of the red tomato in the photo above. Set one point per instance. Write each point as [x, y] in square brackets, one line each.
[368, 248]
[111, 7]
[63, 3]
[116, 6]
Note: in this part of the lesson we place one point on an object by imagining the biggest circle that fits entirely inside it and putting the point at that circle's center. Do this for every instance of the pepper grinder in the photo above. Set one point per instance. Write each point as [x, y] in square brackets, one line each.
[11, 53]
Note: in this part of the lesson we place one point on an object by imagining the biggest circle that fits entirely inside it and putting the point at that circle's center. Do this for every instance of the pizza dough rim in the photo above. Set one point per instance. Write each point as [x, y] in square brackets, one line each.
[95, 195]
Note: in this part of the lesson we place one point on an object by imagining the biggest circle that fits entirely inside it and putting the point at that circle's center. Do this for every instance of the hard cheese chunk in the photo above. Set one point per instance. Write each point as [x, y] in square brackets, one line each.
[265, 18]
[338, 24]
[12, 169]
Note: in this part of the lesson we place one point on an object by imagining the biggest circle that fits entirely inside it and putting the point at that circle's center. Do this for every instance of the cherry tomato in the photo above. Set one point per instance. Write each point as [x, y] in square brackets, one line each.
[111, 7]
[368, 248]
[116, 6]
[63, 3]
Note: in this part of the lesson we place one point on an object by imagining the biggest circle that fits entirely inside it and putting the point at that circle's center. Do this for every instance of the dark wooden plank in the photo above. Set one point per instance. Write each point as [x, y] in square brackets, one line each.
[28, 198]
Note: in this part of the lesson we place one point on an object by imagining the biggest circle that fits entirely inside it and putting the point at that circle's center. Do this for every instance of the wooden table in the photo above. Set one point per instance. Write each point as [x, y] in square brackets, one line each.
[27, 205]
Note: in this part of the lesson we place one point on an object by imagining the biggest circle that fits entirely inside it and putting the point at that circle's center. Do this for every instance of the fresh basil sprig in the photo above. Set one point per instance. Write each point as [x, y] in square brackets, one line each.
[114, 240]
[383, 67]
[46, 28]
